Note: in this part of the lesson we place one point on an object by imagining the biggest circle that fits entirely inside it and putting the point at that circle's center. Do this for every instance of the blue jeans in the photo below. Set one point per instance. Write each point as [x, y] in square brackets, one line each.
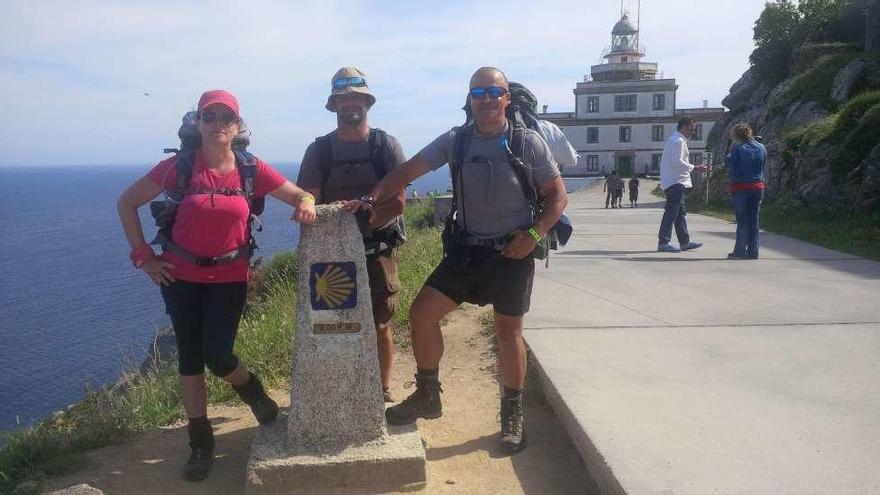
[747, 207]
[674, 214]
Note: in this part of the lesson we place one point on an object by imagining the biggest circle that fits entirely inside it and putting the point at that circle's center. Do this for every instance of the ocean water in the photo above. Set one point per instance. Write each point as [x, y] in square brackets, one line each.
[73, 312]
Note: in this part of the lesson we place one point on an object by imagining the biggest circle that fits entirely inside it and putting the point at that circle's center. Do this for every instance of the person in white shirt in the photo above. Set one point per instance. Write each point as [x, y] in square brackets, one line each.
[675, 180]
[563, 152]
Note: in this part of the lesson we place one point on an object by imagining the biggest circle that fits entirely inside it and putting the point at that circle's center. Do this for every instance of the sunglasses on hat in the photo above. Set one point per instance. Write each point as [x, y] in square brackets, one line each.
[344, 82]
[226, 118]
[493, 92]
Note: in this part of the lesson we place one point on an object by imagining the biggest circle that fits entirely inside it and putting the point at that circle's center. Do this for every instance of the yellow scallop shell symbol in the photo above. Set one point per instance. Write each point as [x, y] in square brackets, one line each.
[334, 286]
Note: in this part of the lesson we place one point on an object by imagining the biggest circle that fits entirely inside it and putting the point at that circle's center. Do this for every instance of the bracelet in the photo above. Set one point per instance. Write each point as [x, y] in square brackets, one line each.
[535, 235]
[307, 197]
[141, 254]
[368, 200]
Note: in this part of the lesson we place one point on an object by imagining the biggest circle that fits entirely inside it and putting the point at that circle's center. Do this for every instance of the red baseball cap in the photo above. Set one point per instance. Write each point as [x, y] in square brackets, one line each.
[218, 96]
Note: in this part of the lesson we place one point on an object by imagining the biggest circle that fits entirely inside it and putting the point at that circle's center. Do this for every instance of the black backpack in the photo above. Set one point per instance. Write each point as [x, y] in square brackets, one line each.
[165, 212]
[395, 234]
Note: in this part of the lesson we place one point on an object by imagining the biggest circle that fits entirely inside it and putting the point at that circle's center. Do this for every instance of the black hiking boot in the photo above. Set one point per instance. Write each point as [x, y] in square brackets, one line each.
[423, 403]
[513, 435]
[201, 443]
[252, 393]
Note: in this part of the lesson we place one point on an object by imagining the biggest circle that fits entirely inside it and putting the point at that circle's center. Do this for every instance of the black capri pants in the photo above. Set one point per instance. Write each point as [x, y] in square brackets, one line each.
[205, 319]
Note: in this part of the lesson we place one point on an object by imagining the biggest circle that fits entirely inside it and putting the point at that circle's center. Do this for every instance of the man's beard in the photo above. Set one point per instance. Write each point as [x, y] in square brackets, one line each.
[352, 117]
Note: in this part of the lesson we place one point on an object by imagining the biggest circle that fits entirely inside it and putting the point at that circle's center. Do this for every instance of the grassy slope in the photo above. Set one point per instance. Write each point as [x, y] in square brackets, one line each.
[111, 414]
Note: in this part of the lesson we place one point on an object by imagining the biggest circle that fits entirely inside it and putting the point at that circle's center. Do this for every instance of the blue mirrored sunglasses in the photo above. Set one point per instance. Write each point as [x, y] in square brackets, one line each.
[493, 92]
[344, 82]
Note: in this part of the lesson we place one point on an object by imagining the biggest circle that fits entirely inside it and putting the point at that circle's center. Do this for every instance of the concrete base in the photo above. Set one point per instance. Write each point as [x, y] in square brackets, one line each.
[371, 468]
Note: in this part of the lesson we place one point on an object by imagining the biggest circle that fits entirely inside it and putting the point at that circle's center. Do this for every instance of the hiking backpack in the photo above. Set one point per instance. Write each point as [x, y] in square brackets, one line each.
[392, 235]
[165, 212]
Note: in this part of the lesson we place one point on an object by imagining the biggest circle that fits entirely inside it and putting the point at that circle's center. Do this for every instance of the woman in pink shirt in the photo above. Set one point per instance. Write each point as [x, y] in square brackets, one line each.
[204, 268]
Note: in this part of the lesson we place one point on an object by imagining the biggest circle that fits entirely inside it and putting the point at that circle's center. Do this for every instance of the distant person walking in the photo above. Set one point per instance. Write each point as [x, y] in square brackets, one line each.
[618, 191]
[204, 267]
[675, 180]
[634, 192]
[609, 187]
[745, 166]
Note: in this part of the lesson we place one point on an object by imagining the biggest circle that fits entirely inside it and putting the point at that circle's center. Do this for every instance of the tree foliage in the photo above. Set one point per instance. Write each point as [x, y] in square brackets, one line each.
[785, 25]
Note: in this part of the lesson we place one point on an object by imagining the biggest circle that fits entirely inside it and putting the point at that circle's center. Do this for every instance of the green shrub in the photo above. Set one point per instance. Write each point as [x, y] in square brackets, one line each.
[850, 114]
[858, 143]
[814, 84]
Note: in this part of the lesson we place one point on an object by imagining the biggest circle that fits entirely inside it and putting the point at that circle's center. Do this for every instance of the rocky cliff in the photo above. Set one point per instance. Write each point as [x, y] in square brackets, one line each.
[821, 127]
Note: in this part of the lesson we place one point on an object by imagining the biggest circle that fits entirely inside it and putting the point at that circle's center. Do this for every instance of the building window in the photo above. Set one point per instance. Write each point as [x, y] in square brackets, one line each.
[655, 161]
[592, 104]
[696, 158]
[625, 134]
[698, 133]
[592, 135]
[659, 102]
[657, 133]
[625, 103]
[592, 163]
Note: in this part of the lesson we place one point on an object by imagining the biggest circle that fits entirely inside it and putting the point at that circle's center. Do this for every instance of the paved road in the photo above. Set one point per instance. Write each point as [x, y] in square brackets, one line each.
[692, 374]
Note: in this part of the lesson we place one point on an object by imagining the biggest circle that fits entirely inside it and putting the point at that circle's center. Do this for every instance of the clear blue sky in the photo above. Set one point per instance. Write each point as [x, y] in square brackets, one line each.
[73, 74]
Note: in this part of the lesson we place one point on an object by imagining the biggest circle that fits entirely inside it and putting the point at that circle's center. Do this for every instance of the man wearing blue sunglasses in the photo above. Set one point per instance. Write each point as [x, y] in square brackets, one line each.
[488, 243]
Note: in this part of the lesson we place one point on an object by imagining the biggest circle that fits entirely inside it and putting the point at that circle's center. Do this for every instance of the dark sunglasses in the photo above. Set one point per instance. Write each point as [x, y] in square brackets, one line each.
[493, 92]
[344, 82]
[226, 118]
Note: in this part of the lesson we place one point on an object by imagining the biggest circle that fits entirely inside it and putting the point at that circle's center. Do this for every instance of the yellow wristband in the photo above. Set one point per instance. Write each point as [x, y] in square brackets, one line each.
[535, 235]
[307, 197]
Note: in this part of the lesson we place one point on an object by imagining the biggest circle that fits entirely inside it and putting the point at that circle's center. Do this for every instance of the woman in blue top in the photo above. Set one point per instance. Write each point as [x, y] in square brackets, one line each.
[745, 165]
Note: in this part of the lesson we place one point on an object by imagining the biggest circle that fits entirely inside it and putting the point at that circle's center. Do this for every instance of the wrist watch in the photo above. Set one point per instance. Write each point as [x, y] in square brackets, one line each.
[368, 200]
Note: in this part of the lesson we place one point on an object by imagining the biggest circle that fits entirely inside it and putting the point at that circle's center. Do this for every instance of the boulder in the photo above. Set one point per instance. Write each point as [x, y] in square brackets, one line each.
[740, 91]
[800, 114]
[846, 80]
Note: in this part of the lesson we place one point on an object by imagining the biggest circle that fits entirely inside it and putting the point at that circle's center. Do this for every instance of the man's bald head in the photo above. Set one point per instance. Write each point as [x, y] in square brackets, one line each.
[489, 76]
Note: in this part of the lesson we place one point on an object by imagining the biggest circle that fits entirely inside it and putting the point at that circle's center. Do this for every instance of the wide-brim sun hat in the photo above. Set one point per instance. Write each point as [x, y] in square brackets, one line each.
[344, 73]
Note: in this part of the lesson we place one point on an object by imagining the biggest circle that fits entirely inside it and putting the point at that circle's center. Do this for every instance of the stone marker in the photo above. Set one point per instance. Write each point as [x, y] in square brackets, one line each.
[334, 434]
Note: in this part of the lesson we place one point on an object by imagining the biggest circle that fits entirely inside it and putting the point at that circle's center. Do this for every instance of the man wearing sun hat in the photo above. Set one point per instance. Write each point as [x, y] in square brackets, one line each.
[344, 166]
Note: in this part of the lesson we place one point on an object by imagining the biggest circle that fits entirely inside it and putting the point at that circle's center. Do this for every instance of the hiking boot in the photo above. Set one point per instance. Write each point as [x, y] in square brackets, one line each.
[252, 393]
[386, 395]
[201, 443]
[423, 403]
[513, 435]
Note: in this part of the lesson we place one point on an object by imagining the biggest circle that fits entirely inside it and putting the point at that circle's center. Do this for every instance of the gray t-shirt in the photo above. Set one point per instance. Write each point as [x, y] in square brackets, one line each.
[349, 178]
[491, 202]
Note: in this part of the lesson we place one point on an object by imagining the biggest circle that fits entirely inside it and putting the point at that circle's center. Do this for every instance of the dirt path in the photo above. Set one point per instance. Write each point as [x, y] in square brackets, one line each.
[462, 447]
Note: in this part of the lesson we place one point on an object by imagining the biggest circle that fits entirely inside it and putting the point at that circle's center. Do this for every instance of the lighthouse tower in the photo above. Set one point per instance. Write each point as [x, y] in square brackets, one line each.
[624, 112]
[624, 56]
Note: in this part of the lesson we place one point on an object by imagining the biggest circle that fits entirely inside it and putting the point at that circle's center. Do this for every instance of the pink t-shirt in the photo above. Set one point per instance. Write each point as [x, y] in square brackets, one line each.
[208, 224]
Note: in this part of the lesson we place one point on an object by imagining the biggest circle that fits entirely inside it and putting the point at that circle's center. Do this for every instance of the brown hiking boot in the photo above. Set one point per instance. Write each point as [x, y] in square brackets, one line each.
[253, 394]
[423, 403]
[513, 435]
[201, 443]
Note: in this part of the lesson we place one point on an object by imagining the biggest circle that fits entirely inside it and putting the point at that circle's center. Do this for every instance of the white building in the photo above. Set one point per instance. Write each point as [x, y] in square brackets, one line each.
[624, 113]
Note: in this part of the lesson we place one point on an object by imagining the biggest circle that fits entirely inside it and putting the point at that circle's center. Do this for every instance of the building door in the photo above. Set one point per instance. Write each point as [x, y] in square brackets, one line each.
[624, 164]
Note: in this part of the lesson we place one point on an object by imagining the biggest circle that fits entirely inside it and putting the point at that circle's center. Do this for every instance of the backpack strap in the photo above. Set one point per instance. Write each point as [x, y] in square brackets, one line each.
[378, 142]
[460, 145]
[515, 157]
[184, 167]
[325, 161]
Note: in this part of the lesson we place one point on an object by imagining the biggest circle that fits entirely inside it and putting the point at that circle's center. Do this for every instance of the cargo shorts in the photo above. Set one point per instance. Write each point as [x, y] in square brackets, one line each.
[384, 285]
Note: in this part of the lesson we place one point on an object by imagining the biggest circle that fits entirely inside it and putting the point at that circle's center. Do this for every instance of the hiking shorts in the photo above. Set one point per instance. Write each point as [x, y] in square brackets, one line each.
[384, 285]
[205, 319]
[482, 276]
